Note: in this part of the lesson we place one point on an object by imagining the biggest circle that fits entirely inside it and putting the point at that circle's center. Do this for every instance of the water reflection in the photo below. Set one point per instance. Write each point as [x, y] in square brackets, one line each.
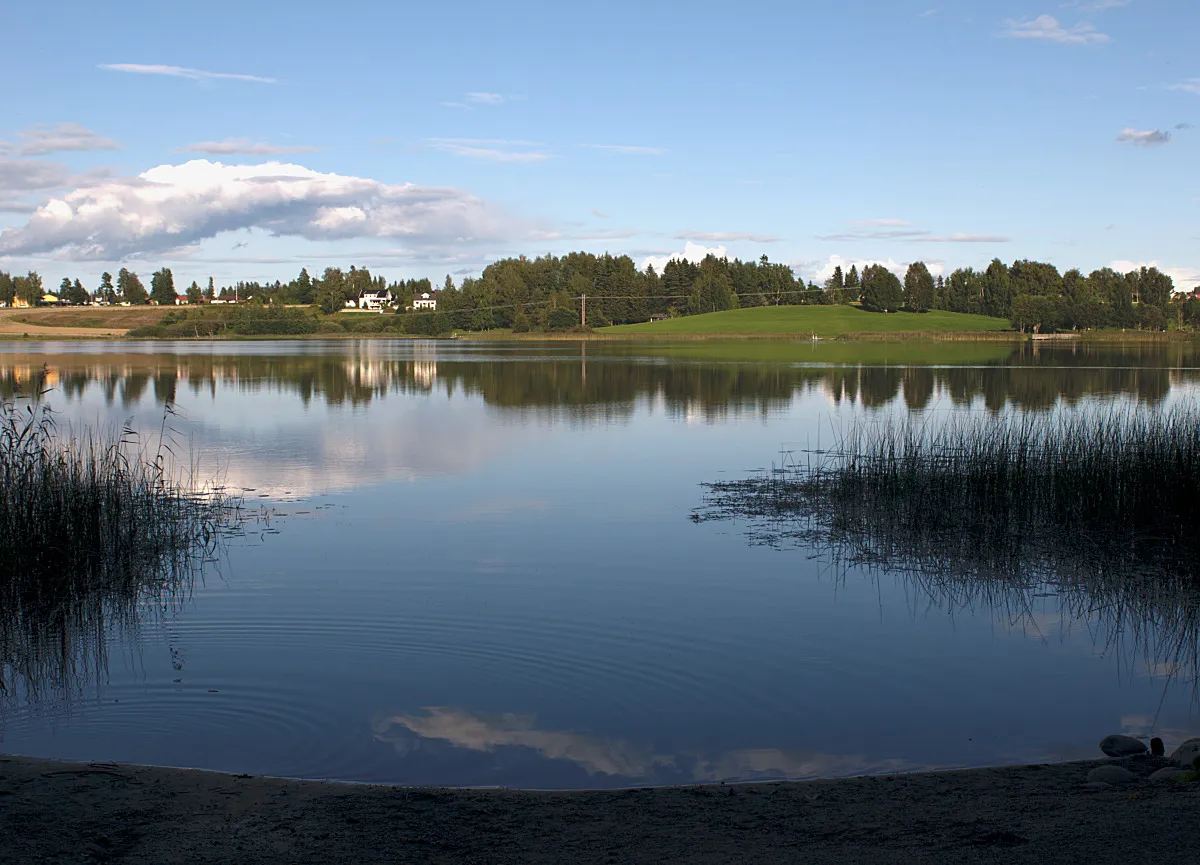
[606, 382]
[617, 759]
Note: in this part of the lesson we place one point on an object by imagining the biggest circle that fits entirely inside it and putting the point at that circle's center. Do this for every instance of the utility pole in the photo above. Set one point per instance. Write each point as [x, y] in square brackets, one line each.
[583, 310]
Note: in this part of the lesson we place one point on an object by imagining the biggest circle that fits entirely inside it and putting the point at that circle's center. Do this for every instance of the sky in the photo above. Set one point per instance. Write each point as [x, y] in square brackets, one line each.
[248, 140]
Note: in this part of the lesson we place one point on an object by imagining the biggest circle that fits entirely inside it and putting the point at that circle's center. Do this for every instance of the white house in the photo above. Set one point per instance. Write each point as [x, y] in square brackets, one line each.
[424, 300]
[375, 299]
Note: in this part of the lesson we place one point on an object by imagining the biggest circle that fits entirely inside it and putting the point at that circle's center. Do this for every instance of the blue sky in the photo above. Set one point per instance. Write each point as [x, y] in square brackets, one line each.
[248, 140]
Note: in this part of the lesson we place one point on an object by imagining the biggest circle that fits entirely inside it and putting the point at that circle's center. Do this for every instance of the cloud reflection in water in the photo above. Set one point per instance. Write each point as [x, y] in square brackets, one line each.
[616, 757]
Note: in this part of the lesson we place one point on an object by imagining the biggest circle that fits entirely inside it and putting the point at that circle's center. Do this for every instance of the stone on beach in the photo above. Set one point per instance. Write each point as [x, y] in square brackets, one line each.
[1122, 746]
[1110, 775]
[1169, 773]
[1185, 755]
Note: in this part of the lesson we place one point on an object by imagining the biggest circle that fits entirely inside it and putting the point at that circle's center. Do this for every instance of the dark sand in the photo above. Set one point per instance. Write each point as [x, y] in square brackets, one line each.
[102, 812]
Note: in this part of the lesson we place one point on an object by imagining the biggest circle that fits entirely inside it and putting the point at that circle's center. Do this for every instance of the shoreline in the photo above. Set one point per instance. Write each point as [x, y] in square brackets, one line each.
[55, 811]
[74, 334]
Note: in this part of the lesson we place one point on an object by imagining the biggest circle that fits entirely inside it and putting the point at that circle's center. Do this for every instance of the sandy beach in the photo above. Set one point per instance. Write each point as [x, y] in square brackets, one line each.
[103, 812]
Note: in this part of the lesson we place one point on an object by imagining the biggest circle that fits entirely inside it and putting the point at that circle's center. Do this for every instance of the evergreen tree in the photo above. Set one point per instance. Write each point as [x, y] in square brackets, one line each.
[162, 287]
[194, 294]
[7, 291]
[106, 293]
[130, 288]
[852, 277]
[211, 291]
[78, 294]
[918, 287]
[881, 289]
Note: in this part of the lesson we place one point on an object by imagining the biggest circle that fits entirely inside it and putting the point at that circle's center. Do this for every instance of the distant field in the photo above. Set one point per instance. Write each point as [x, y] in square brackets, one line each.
[827, 321]
[108, 317]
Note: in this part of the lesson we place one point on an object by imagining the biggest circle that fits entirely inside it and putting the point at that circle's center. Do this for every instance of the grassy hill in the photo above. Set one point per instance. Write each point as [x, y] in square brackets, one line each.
[826, 321]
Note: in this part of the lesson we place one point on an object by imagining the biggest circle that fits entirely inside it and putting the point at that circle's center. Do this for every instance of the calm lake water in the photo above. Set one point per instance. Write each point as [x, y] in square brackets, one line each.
[475, 565]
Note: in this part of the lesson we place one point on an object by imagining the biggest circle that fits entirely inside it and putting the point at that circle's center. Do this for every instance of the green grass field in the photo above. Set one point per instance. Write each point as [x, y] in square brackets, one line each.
[826, 321]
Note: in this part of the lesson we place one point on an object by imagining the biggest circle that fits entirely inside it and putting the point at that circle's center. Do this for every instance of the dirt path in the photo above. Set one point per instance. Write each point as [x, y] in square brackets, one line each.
[98, 812]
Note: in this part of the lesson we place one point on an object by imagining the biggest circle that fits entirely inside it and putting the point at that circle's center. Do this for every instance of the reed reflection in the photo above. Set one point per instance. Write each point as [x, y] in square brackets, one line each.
[1095, 508]
[98, 535]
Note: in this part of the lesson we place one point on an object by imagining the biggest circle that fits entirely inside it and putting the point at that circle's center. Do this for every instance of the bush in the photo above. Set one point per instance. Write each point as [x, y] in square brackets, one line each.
[271, 320]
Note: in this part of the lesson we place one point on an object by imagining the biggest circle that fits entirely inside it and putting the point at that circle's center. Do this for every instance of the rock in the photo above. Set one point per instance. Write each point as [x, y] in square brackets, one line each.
[1186, 754]
[1169, 773]
[1122, 746]
[1110, 775]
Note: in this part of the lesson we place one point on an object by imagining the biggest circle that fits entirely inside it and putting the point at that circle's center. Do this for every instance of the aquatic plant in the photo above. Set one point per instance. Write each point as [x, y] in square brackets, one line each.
[94, 529]
[1101, 505]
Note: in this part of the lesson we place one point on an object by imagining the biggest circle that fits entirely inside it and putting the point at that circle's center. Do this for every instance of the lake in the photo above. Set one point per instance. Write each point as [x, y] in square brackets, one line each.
[473, 563]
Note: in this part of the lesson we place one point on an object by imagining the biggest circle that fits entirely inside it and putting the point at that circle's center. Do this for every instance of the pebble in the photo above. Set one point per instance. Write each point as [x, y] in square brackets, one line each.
[1110, 775]
[1185, 755]
[1169, 773]
[1122, 746]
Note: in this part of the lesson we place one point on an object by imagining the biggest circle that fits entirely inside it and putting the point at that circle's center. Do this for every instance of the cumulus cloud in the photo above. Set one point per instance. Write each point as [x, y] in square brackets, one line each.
[173, 206]
[627, 149]
[693, 252]
[1143, 137]
[1048, 29]
[727, 236]
[184, 72]
[819, 271]
[244, 146]
[491, 149]
[53, 138]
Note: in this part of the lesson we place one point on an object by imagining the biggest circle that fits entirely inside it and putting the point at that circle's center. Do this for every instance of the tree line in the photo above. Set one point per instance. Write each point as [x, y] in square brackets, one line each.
[545, 293]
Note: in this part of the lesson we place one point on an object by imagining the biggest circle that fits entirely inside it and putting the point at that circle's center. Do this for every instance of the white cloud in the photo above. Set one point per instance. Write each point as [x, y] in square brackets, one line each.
[1143, 137]
[1101, 5]
[963, 238]
[899, 229]
[1048, 29]
[184, 72]
[628, 149]
[819, 271]
[53, 138]
[1192, 85]
[693, 252]
[878, 234]
[27, 175]
[480, 97]
[727, 236]
[491, 149]
[244, 146]
[173, 206]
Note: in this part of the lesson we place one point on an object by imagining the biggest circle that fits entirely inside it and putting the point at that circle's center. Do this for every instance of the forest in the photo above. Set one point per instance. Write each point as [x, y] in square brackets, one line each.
[545, 293]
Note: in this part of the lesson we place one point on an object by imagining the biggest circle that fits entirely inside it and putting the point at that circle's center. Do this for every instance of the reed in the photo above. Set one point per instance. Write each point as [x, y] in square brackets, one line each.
[1099, 506]
[94, 529]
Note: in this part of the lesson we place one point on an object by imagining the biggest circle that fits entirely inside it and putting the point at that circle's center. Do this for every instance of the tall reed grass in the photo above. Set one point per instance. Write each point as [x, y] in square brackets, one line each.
[93, 528]
[1100, 504]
